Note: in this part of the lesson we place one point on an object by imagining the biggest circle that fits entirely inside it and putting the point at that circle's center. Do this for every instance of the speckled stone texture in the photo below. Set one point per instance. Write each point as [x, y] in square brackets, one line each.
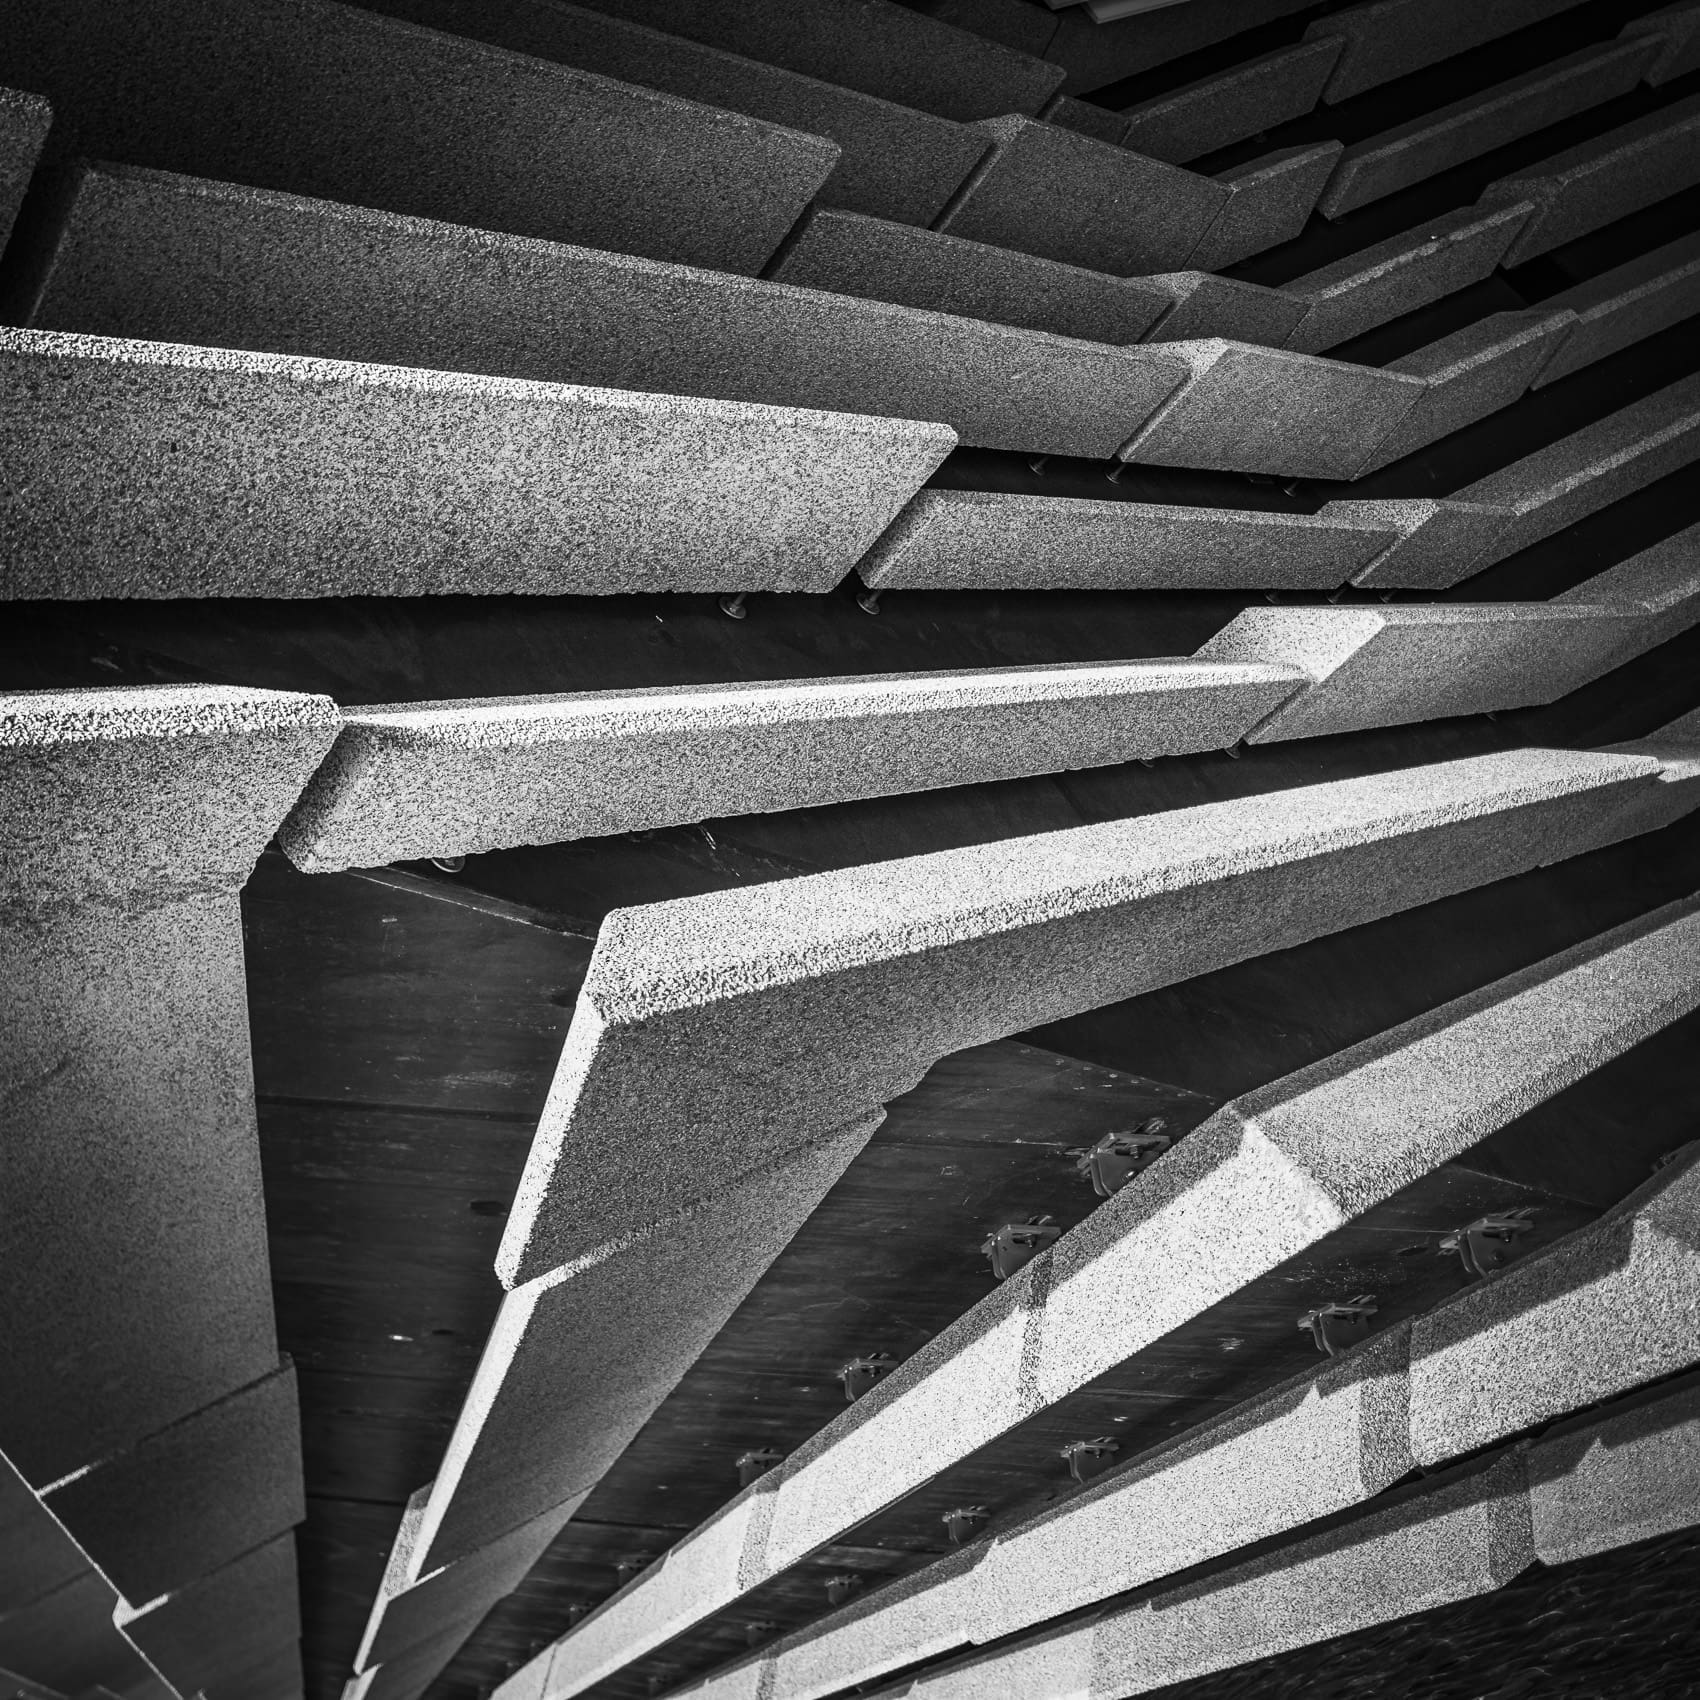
[1068, 113]
[1604, 179]
[1662, 583]
[323, 99]
[1373, 285]
[1391, 38]
[1206, 305]
[1439, 140]
[579, 1358]
[1439, 542]
[273, 475]
[961, 538]
[1677, 29]
[1246, 409]
[711, 1030]
[408, 1674]
[1270, 202]
[1470, 374]
[893, 162]
[881, 261]
[1621, 306]
[1253, 96]
[408, 780]
[186, 261]
[24, 122]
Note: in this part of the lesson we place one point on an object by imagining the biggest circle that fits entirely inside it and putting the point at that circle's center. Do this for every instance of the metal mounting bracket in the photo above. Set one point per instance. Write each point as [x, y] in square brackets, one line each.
[861, 1374]
[755, 1464]
[1016, 1244]
[963, 1521]
[1118, 1157]
[1339, 1326]
[839, 1588]
[1487, 1244]
[1089, 1458]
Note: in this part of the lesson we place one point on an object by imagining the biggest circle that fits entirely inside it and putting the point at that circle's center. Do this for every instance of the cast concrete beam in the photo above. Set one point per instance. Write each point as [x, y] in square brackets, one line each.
[1270, 202]
[278, 475]
[455, 778]
[1207, 305]
[1677, 29]
[1619, 307]
[24, 122]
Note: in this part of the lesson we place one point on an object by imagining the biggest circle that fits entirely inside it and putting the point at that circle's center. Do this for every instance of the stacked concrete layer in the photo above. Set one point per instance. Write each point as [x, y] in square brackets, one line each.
[1605, 179]
[321, 98]
[1246, 409]
[967, 538]
[1271, 201]
[24, 122]
[147, 254]
[1621, 306]
[1096, 121]
[1375, 284]
[713, 1029]
[1207, 305]
[1250, 98]
[276, 475]
[453, 778]
[1662, 583]
[885, 50]
[893, 161]
[1678, 30]
[1426, 146]
[882, 261]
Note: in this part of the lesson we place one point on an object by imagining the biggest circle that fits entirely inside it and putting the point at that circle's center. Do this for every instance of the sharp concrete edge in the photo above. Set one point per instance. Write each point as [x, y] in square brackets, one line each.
[1270, 201]
[1678, 31]
[24, 122]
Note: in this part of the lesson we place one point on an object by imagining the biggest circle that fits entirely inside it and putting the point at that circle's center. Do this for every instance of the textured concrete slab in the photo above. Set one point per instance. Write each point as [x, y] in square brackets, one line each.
[1064, 196]
[1602, 180]
[24, 123]
[1206, 305]
[578, 1359]
[1677, 30]
[961, 538]
[1373, 285]
[37, 1556]
[1598, 1485]
[1621, 306]
[273, 475]
[1472, 373]
[69, 1637]
[455, 778]
[881, 261]
[1272, 200]
[1676, 748]
[894, 161]
[1661, 584]
[1440, 542]
[321, 99]
[194, 1496]
[309, 278]
[1098, 122]
[1247, 409]
[1391, 38]
[1252, 97]
[409, 1674]
[823, 971]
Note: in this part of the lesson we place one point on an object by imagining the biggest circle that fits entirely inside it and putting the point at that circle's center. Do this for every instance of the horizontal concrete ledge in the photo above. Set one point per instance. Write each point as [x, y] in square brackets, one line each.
[1678, 31]
[454, 778]
[276, 475]
[1621, 306]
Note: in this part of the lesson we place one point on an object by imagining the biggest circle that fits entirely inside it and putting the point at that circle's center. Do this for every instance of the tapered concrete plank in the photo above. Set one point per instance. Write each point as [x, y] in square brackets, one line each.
[24, 122]
[309, 278]
[1064, 196]
[1037, 928]
[1272, 201]
[1380, 283]
[1391, 38]
[1676, 748]
[322, 99]
[1439, 543]
[1608, 1309]
[1677, 30]
[272, 475]
[36, 1554]
[1056, 1667]
[1246, 409]
[1382, 165]
[961, 538]
[1206, 305]
[1252, 97]
[409, 1674]
[893, 162]
[1623, 305]
[1600, 181]
[276, 1677]
[1099, 122]
[1603, 1484]
[882, 261]
[455, 778]
[66, 1639]
[579, 1359]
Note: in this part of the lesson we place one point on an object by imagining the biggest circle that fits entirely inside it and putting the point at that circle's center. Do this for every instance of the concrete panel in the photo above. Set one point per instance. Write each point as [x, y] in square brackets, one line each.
[1064, 196]
[67, 1639]
[192, 1497]
[1252, 97]
[1272, 200]
[409, 1674]
[306, 277]
[881, 261]
[455, 778]
[1382, 165]
[961, 538]
[272, 475]
[1206, 305]
[1391, 38]
[711, 1029]
[1621, 306]
[279, 1676]
[37, 1556]
[1246, 409]
[1677, 30]
[1470, 374]
[1376, 284]
[894, 162]
[24, 123]
[1600, 181]
[1603, 1484]
[322, 99]
[579, 1358]
[1439, 543]
[1068, 113]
